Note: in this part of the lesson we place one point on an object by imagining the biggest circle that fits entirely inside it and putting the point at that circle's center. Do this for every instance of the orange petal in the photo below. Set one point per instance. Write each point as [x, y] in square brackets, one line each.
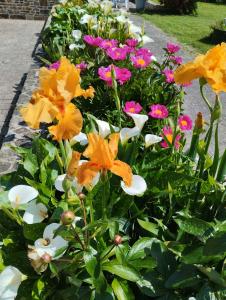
[73, 165]
[69, 123]
[186, 73]
[113, 144]
[123, 170]
[42, 111]
[86, 172]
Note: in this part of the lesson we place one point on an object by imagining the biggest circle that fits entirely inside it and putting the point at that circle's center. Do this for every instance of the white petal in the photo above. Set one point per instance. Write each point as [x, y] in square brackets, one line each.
[59, 182]
[80, 138]
[138, 119]
[72, 46]
[50, 231]
[77, 34]
[153, 58]
[151, 139]
[104, 128]
[10, 280]
[146, 39]
[127, 133]
[59, 243]
[21, 194]
[41, 248]
[35, 213]
[137, 188]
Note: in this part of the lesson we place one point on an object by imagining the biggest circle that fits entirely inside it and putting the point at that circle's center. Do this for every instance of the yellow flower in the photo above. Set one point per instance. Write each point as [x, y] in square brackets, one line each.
[102, 154]
[211, 66]
[69, 123]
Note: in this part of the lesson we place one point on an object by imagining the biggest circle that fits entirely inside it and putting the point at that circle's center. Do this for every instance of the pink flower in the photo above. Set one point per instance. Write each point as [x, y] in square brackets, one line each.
[105, 74]
[141, 61]
[144, 52]
[54, 66]
[168, 136]
[117, 53]
[105, 44]
[158, 111]
[185, 123]
[172, 48]
[169, 75]
[176, 59]
[132, 42]
[128, 49]
[82, 66]
[132, 107]
[122, 75]
[92, 41]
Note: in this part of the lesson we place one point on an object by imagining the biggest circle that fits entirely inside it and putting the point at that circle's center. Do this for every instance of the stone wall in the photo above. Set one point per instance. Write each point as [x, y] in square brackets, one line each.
[25, 9]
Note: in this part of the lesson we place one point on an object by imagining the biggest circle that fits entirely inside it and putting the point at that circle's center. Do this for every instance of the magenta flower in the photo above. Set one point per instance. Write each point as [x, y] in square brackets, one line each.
[132, 107]
[168, 136]
[117, 53]
[128, 49]
[143, 52]
[141, 61]
[123, 75]
[172, 48]
[105, 74]
[92, 41]
[158, 111]
[169, 75]
[176, 59]
[54, 66]
[132, 42]
[82, 66]
[185, 123]
[105, 44]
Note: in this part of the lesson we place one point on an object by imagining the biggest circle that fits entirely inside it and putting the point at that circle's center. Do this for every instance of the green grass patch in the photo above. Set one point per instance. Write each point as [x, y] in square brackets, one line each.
[191, 30]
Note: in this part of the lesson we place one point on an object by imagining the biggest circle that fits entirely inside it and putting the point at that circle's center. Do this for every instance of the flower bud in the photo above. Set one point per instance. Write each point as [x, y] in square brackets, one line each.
[81, 196]
[46, 258]
[117, 239]
[199, 122]
[67, 217]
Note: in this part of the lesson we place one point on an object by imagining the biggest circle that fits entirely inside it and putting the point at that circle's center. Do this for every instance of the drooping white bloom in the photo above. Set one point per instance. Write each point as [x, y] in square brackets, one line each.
[10, 280]
[138, 119]
[80, 138]
[21, 194]
[59, 184]
[104, 128]
[151, 139]
[88, 19]
[50, 244]
[77, 34]
[137, 188]
[127, 133]
[35, 213]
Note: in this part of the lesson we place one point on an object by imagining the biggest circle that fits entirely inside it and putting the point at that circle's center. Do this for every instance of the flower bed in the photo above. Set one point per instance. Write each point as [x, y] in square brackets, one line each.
[106, 204]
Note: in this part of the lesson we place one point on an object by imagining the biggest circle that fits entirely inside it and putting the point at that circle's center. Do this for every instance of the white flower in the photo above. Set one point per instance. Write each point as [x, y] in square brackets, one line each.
[104, 128]
[81, 11]
[10, 280]
[50, 244]
[121, 19]
[76, 46]
[88, 19]
[21, 194]
[80, 138]
[127, 133]
[59, 184]
[106, 6]
[138, 119]
[77, 34]
[137, 188]
[151, 139]
[35, 213]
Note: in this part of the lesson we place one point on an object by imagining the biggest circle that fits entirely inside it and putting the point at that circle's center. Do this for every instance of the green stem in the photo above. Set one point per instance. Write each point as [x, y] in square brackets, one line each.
[205, 99]
[63, 152]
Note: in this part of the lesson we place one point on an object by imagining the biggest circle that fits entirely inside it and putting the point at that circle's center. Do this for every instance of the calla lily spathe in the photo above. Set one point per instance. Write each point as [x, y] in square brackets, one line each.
[21, 194]
[127, 133]
[151, 139]
[104, 128]
[80, 138]
[35, 213]
[10, 280]
[77, 34]
[138, 119]
[137, 187]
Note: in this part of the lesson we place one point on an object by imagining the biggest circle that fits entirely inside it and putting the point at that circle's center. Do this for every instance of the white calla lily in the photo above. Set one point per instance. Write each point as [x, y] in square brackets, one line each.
[138, 119]
[85, 19]
[35, 213]
[121, 19]
[127, 133]
[151, 139]
[77, 34]
[80, 138]
[137, 188]
[59, 184]
[50, 244]
[76, 46]
[10, 280]
[21, 194]
[104, 128]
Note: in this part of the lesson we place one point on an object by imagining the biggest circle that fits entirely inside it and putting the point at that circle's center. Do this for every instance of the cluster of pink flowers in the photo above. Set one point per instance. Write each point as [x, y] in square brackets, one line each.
[172, 48]
[93, 41]
[54, 66]
[169, 75]
[122, 75]
[158, 111]
[132, 107]
[105, 44]
[82, 66]
[132, 42]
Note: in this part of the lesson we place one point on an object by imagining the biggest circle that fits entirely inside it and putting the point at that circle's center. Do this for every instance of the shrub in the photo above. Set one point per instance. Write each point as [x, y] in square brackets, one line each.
[180, 6]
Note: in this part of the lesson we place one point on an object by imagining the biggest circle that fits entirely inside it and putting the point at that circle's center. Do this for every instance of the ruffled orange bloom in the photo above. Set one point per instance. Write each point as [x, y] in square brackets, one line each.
[102, 154]
[73, 165]
[211, 66]
[57, 88]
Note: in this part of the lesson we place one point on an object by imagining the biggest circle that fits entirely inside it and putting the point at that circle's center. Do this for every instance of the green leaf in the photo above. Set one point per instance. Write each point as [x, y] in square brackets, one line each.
[30, 163]
[33, 231]
[141, 248]
[213, 275]
[151, 227]
[90, 260]
[122, 271]
[122, 290]
[215, 245]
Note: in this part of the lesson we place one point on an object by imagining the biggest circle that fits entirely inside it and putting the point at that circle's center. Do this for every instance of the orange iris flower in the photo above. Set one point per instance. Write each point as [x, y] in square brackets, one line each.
[56, 90]
[102, 154]
[211, 66]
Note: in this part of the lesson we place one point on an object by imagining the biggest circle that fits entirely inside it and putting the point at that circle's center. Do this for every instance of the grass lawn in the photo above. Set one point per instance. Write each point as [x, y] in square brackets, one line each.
[190, 30]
